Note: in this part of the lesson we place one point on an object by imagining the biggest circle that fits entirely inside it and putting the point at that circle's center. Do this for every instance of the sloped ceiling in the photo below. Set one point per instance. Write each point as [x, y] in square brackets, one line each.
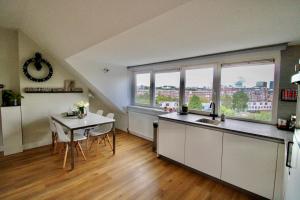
[66, 27]
[97, 33]
[201, 27]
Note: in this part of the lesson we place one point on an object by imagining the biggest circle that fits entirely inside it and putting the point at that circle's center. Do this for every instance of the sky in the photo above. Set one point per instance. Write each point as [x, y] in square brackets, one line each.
[250, 74]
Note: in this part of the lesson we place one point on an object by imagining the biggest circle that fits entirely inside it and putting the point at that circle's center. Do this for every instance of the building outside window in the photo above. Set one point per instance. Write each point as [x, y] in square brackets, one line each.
[142, 89]
[167, 90]
[247, 91]
[241, 90]
[199, 88]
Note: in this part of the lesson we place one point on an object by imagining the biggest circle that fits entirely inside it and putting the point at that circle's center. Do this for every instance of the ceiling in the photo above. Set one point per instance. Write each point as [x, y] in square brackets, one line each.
[132, 32]
[198, 28]
[65, 27]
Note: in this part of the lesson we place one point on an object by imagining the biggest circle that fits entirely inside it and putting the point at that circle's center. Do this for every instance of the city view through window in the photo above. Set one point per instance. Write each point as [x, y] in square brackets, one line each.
[245, 92]
[167, 90]
[199, 88]
[142, 90]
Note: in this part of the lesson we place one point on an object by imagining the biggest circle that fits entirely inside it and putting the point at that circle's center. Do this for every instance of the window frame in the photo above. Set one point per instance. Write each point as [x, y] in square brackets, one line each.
[275, 92]
[217, 67]
[154, 72]
[134, 89]
[202, 66]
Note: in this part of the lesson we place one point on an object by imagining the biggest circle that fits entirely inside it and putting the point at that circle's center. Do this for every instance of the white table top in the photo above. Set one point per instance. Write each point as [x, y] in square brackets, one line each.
[90, 120]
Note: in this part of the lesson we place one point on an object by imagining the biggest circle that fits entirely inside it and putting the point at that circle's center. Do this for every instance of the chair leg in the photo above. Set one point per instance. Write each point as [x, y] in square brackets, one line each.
[104, 140]
[55, 147]
[76, 147]
[93, 140]
[80, 148]
[53, 139]
[87, 143]
[66, 154]
[106, 135]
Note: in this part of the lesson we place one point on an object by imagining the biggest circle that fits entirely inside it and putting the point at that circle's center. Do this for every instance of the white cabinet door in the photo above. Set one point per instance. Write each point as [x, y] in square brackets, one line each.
[11, 129]
[203, 150]
[171, 139]
[141, 124]
[249, 163]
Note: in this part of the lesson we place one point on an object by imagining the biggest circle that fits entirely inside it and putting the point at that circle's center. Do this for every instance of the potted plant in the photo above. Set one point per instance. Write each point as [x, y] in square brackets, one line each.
[81, 105]
[11, 98]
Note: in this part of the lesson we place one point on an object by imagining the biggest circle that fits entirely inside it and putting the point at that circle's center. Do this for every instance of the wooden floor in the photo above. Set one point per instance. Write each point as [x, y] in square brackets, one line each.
[133, 173]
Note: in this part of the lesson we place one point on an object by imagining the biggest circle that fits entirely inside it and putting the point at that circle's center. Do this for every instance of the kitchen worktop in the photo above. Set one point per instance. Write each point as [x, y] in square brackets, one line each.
[258, 130]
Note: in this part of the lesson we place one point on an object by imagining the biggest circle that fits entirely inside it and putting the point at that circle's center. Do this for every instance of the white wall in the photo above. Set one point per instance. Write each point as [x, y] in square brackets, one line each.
[121, 117]
[37, 107]
[113, 86]
[111, 89]
[8, 63]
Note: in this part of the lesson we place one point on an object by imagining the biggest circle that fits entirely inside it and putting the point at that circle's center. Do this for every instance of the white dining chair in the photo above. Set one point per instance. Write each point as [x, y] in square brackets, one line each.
[100, 112]
[64, 138]
[54, 134]
[100, 133]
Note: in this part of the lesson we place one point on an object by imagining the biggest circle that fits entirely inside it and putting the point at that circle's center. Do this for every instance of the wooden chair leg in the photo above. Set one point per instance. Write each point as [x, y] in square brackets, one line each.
[92, 143]
[66, 154]
[104, 140]
[87, 144]
[106, 135]
[80, 148]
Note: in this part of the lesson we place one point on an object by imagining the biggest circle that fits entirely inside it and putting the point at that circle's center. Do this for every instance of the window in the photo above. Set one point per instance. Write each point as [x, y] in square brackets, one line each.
[142, 89]
[167, 90]
[199, 88]
[245, 89]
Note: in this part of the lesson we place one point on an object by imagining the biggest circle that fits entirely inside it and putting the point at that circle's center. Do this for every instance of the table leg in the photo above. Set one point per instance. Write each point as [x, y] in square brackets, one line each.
[114, 138]
[72, 150]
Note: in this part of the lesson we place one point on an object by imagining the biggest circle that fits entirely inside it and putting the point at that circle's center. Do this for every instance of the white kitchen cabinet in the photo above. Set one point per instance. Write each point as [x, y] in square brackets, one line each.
[249, 164]
[171, 140]
[11, 129]
[203, 150]
[141, 124]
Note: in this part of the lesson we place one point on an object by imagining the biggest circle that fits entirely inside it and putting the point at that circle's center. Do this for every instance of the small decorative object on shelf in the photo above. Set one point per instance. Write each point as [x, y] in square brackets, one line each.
[69, 85]
[81, 106]
[288, 95]
[222, 117]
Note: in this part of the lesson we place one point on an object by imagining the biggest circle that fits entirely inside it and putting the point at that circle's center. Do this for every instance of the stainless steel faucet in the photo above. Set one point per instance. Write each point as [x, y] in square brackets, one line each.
[213, 114]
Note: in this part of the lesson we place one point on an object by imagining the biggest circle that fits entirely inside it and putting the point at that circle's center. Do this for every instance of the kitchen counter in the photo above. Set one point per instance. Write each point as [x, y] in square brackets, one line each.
[251, 129]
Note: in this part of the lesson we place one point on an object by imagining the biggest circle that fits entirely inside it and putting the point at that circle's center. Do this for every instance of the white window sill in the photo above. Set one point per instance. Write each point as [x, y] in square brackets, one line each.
[146, 110]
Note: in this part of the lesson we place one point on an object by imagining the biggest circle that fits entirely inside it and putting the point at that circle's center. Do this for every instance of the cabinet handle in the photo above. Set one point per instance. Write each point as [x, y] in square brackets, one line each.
[288, 160]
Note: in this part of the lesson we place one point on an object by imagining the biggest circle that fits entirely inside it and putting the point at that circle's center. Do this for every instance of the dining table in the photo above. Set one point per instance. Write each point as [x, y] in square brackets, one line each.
[89, 121]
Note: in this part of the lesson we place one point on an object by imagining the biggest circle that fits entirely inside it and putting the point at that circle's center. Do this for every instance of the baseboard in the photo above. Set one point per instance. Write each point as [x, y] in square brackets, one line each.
[140, 135]
[35, 145]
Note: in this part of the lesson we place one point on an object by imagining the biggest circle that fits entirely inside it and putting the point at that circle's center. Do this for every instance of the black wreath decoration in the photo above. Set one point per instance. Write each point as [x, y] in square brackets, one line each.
[38, 62]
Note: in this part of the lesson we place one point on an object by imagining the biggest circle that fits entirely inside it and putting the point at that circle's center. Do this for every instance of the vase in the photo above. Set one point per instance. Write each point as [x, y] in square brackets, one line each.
[81, 114]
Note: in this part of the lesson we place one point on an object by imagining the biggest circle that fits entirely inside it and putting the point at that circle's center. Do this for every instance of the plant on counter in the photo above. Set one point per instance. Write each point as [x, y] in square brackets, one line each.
[81, 105]
[11, 98]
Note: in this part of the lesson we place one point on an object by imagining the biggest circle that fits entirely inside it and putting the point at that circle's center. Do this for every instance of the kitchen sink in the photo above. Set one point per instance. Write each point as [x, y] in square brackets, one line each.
[208, 121]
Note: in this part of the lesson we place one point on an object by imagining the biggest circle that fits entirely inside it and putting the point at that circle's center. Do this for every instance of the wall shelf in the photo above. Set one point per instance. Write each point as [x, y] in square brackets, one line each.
[52, 90]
